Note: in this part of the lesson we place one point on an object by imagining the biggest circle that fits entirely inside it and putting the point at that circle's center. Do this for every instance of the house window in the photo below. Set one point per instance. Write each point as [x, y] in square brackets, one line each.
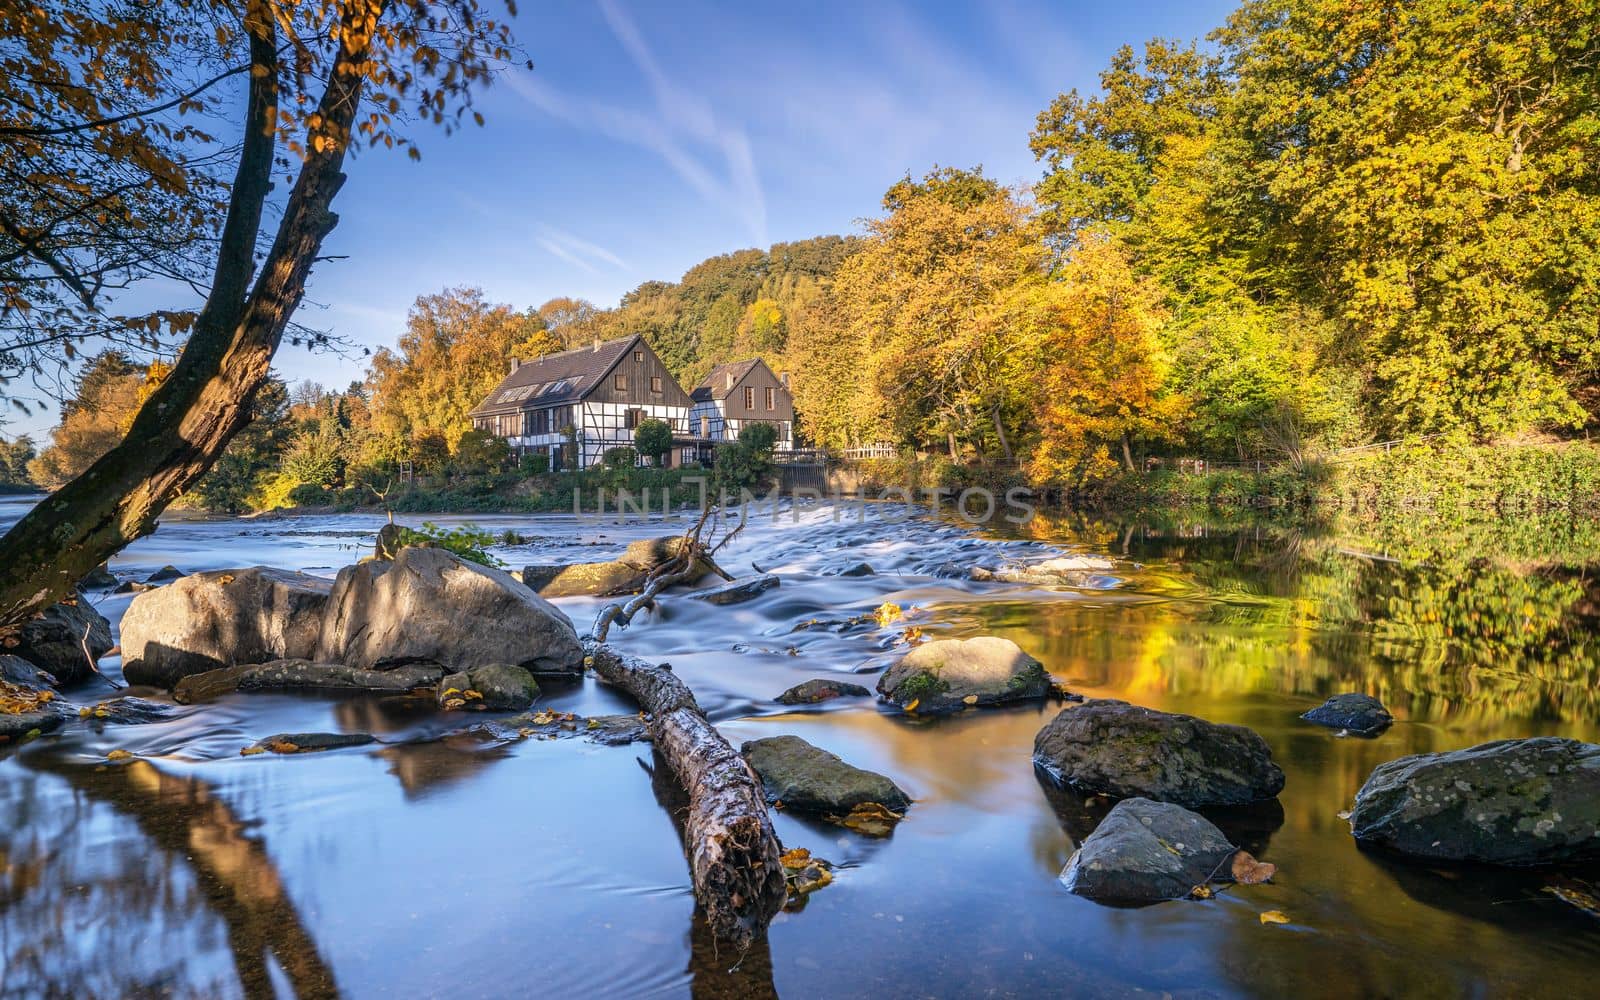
[638, 357]
[655, 383]
[619, 382]
[771, 399]
[749, 398]
[634, 417]
[705, 426]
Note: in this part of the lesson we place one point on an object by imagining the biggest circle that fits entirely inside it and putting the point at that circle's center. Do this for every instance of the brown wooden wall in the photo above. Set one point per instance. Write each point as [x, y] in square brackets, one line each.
[760, 379]
[639, 374]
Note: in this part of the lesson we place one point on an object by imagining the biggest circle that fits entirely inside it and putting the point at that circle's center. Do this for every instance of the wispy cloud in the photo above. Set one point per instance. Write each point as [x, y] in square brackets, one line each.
[709, 153]
[578, 252]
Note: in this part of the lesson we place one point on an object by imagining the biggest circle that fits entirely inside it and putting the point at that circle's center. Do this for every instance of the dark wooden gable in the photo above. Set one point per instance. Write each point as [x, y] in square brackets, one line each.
[644, 380]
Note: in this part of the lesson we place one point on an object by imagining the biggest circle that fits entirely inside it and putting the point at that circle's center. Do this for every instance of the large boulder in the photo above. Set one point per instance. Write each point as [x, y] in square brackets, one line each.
[948, 675]
[1360, 714]
[809, 779]
[67, 640]
[24, 674]
[624, 575]
[206, 621]
[1511, 802]
[1146, 852]
[1060, 571]
[1124, 751]
[429, 605]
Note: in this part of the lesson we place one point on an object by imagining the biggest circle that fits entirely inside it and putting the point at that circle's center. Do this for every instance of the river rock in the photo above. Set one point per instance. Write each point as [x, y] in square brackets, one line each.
[1146, 852]
[858, 569]
[1051, 572]
[1510, 802]
[624, 575]
[303, 675]
[307, 742]
[1360, 714]
[818, 690]
[810, 779]
[165, 574]
[499, 686]
[17, 726]
[429, 605]
[16, 670]
[1123, 751]
[948, 675]
[738, 591]
[206, 621]
[99, 578]
[127, 711]
[56, 641]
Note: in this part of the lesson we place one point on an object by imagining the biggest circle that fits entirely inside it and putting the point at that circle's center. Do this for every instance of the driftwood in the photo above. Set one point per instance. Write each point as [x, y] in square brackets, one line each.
[733, 851]
[695, 554]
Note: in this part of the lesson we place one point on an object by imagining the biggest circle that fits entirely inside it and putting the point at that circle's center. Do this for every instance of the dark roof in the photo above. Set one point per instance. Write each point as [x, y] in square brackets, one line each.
[722, 380]
[556, 378]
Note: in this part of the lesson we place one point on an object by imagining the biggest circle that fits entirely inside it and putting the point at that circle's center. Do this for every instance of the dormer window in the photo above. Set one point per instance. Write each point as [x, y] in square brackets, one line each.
[638, 357]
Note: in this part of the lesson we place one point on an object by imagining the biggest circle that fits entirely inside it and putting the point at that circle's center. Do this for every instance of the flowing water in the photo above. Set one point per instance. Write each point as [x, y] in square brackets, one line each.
[453, 865]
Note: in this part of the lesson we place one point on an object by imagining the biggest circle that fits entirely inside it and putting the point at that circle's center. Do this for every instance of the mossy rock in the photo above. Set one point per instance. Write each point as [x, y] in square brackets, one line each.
[948, 675]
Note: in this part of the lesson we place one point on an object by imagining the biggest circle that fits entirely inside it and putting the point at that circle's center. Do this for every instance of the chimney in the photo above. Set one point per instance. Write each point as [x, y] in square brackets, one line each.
[515, 364]
[597, 344]
[729, 379]
[784, 378]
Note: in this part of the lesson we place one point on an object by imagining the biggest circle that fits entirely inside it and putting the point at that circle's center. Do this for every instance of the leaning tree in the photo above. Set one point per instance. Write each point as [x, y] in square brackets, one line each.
[111, 177]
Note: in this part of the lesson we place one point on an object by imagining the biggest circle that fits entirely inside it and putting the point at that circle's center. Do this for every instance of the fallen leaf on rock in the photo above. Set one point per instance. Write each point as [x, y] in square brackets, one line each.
[970, 699]
[871, 818]
[913, 636]
[252, 751]
[803, 875]
[1274, 917]
[453, 703]
[911, 706]
[1248, 871]
[888, 612]
[795, 857]
[1344, 814]
[1201, 892]
[469, 694]
[118, 755]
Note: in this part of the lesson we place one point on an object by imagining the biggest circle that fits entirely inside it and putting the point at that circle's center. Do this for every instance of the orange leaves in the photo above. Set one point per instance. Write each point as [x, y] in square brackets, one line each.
[871, 818]
[1246, 870]
[1274, 917]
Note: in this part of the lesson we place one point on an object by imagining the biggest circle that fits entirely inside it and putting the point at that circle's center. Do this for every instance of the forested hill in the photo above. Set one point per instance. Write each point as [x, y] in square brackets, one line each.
[733, 306]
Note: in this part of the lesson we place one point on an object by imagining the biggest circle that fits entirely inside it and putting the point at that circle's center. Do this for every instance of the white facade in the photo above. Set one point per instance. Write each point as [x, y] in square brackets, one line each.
[708, 420]
[599, 426]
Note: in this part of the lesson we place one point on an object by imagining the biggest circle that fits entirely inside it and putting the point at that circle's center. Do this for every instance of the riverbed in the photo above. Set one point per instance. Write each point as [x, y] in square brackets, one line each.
[462, 865]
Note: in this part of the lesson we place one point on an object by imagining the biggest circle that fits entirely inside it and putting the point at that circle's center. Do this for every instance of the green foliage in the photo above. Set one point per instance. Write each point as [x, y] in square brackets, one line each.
[740, 467]
[467, 541]
[653, 439]
[479, 453]
[759, 436]
[236, 482]
[534, 463]
[14, 458]
[620, 458]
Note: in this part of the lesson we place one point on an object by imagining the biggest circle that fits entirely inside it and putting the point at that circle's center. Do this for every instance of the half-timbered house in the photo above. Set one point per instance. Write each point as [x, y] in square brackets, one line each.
[740, 393]
[583, 402]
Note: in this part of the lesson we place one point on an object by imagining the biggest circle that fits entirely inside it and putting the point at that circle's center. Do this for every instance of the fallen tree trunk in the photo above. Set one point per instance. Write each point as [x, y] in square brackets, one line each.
[733, 851]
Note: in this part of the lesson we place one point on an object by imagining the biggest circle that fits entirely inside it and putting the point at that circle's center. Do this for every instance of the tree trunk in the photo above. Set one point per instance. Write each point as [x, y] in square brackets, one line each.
[184, 426]
[950, 439]
[733, 851]
[999, 429]
[1127, 453]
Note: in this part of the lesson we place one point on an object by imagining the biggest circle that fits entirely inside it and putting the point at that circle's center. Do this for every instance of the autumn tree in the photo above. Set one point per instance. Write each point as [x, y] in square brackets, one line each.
[455, 349]
[319, 78]
[93, 420]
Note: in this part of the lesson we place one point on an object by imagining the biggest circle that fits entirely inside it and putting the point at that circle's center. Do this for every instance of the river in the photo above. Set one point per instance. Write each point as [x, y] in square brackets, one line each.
[464, 866]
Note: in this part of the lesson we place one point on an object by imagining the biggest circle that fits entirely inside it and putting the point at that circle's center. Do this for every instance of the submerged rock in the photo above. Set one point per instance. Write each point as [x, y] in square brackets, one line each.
[1360, 714]
[1117, 749]
[18, 726]
[818, 690]
[303, 675]
[211, 620]
[948, 675]
[858, 569]
[496, 687]
[1061, 570]
[307, 742]
[1146, 852]
[431, 606]
[67, 640]
[809, 779]
[1511, 802]
[738, 591]
[165, 574]
[126, 711]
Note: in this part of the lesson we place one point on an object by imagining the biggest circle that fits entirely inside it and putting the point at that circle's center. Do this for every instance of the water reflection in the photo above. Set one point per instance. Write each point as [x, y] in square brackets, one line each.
[450, 864]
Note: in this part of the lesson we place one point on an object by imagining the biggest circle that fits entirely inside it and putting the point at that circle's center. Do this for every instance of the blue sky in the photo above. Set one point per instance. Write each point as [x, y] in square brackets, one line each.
[650, 136]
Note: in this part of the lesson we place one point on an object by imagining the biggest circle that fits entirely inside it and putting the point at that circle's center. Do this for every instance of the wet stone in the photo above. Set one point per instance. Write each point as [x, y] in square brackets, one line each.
[1146, 852]
[307, 742]
[1360, 714]
[819, 690]
[738, 591]
[809, 779]
[948, 675]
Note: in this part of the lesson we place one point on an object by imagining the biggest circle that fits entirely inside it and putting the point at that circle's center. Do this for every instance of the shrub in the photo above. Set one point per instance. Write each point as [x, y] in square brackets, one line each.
[468, 541]
[534, 463]
[653, 439]
[759, 437]
[620, 458]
